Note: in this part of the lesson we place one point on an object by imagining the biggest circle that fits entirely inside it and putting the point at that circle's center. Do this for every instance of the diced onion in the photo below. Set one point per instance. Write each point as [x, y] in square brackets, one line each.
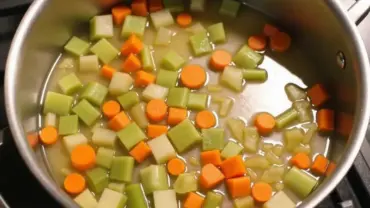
[258, 162]
[273, 159]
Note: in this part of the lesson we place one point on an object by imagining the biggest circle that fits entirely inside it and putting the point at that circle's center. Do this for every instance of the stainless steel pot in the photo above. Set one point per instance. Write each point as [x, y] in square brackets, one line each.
[321, 28]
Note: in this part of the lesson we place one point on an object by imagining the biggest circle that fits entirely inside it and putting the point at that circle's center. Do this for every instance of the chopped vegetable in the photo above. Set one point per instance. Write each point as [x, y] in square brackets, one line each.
[253, 175]
[86, 199]
[292, 138]
[225, 107]
[69, 84]
[162, 18]
[172, 61]
[302, 149]
[270, 30]
[236, 127]
[111, 108]
[83, 157]
[131, 64]
[139, 7]
[261, 192]
[257, 42]
[147, 59]
[163, 37]
[278, 149]
[196, 28]
[301, 161]
[101, 27]
[50, 119]
[213, 139]
[213, 200]
[162, 149]
[280, 199]
[120, 83]
[77, 46]
[86, 112]
[156, 110]
[233, 167]
[136, 197]
[214, 88]
[178, 97]
[247, 58]
[258, 161]
[265, 123]
[211, 157]
[325, 120]
[176, 166]
[205, 119]
[71, 141]
[184, 19]
[294, 92]
[253, 75]
[165, 198]
[193, 76]
[137, 113]
[122, 169]
[318, 94]
[239, 187]
[97, 179]
[217, 33]
[220, 59]
[112, 199]
[185, 183]
[331, 167]
[200, 43]
[68, 125]
[89, 63]
[131, 135]
[132, 45]
[267, 147]
[95, 92]
[232, 78]
[176, 115]
[133, 25]
[154, 130]
[286, 118]
[303, 107]
[229, 8]
[154, 91]
[154, 178]
[273, 175]
[280, 42]
[104, 157]
[319, 165]
[119, 121]
[251, 139]
[119, 187]
[140, 152]
[167, 78]
[299, 181]
[49, 135]
[210, 176]
[105, 51]
[57, 103]
[119, 14]
[74, 183]
[155, 5]
[273, 159]
[107, 71]
[231, 149]
[244, 202]
[197, 101]
[183, 141]
[193, 200]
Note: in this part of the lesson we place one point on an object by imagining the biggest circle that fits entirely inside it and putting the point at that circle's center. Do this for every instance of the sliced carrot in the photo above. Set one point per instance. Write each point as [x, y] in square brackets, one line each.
[111, 108]
[320, 165]
[210, 176]
[318, 95]
[330, 169]
[156, 110]
[154, 130]
[107, 71]
[119, 121]
[265, 123]
[193, 200]
[270, 30]
[140, 152]
[325, 120]
[176, 115]
[49, 135]
[155, 5]
[83, 157]
[220, 59]
[139, 8]
[120, 13]
[280, 42]
[261, 192]
[233, 167]
[345, 124]
[257, 42]
[176, 166]
[205, 119]
[184, 19]
[193, 76]
[74, 183]
[132, 45]
[131, 64]
[33, 138]
[301, 160]
[211, 157]
[239, 187]
[143, 78]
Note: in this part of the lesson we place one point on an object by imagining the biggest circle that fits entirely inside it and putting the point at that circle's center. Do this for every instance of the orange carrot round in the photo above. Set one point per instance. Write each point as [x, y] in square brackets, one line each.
[184, 19]
[270, 30]
[111, 108]
[156, 110]
[74, 183]
[280, 42]
[261, 192]
[265, 123]
[301, 161]
[83, 157]
[176, 166]
[257, 42]
[205, 119]
[193, 76]
[220, 59]
[49, 135]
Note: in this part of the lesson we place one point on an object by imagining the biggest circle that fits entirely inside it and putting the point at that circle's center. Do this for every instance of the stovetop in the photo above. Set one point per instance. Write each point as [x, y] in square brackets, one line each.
[20, 188]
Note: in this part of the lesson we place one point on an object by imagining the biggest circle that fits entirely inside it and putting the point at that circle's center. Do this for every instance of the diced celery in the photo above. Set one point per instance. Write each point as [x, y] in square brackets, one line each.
[197, 101]
[103, 137]
[105, 51]
[244, 202]
[162, 149]
[112, 199]
[258, 161]
[196, 28]
[213, 139]
[251, 139]
[71, 141]
[101, 27]
[162, 18]
[294, 92]
[86, 199]
[225, 107]
[167, 78]
[292, 138]
[68, 125]
[231, 149]
[120, 83]
[119, 187]
[178, 97]
[255, 75]
[147, 58]
[174, 5]
[154, 91]
[303, 107]
[131, 135]
[95, 93]
[273, 159]
[217, 33]
[299, 181]
[302, 149]
[311, 132]
[97, 179]
[185, 183]
[165, 198]
[128, 99]
[197, 5]
[232, 78]
[213, 200]
[134, 25]
[279, 199]
[104, 157]
[86, 112]
[236, 126]
[50, 120]
[229, 8]
[286, 118]
[154, 178]
[200, 43]
[278, 149]
[172, 61]
[57, 103]
[184, 135]
[76, 46]
[214, 88]
[122, 168]
[136, 197]
[247, 58]
[163, 37]
[69, 84]
[138, 114]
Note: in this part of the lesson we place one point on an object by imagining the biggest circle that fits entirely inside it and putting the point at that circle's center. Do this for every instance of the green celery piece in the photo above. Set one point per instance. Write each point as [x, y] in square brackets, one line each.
[232, 78]
[86, 112]
[231, 149]
[104, 157]
[122, 169]
[133, 25]
[97, 179]
[172, 61]
[101, 27]
[89, 63]
[119, 187]
[162, 149]
[163, 37]
[111, 199]
[197, 101]
[299, 181]
[236, 126]
[247, 58]
[167, 78]
[184, 135]
[185, 183]
[138, 114]
[286, 118]
[225, 107]
[70, 84]
[174, 5]
[131, 135]
[68, 125]
[95, 93]
[147, 58]
[76, 46]
[246, 202]
[217, 33]
[162, 18]
[120, 83]
[128, 99]
[213, 139]
[200, 44]
[251, 139]
[103, 137]
[154, 91]
[255, 75]
[178, 97]
[213, 200]
[105, 51]
[136, 197]
[197, 5]
[57, 103]
[292, 138]
[165, 198]
[229, 8]
[154, 178]
[86, 199]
